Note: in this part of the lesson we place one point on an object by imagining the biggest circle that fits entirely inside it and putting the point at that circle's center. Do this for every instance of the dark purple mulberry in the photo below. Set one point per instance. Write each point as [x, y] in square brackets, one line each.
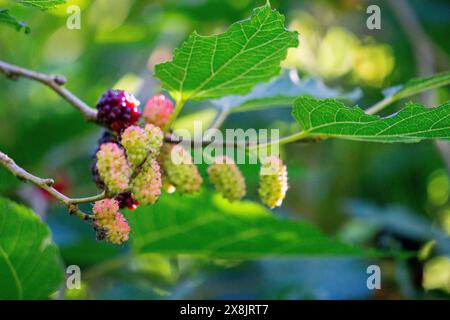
[117, 110]
[126, 200]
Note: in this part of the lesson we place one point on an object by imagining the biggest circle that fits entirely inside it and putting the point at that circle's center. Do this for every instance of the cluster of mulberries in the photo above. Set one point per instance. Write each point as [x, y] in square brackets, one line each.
[227, 178]
[109, 223]
[273, 182]
[133, 165]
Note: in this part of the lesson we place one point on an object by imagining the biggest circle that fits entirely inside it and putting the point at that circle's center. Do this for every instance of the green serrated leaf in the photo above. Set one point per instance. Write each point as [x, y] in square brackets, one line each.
[332, 118]
[7, 18]
[30, 265]
[41, 4]
[412, 87]
[415, 86]
[206, 224]
[281, 92]
[207, 67]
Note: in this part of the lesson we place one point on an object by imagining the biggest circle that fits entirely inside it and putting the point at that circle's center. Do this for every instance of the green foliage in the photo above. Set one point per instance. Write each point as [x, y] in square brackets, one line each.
[30, 266]
[207, 67]
[281, 92]
[332, 118]
[41, 4]
[418, 85]
[7, 18]
[207, 224]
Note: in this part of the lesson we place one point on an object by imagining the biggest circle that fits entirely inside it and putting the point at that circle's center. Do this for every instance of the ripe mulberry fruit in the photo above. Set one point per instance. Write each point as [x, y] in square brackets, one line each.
[126, 200]
[227, 178]
[113, 167]
[110, 224]
[117, 110]
[273, 182]
[146, 185]
[105, 138]
[105, 211]
[180, 170]
[118, 232]
[140, 142]
[158, 110]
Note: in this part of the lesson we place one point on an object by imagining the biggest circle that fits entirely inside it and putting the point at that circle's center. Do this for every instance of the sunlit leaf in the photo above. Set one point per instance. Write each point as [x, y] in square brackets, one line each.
[41, 4]
[206, 224]
[418, 85]
[7, 18]
[207, 67]
[332, 118]
[30, 266]
[281, 92]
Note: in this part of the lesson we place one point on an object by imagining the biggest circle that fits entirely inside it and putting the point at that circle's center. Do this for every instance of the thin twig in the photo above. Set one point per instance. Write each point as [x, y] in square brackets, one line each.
[47, 185]
[55, 82]
[97, 197]
[380, 105]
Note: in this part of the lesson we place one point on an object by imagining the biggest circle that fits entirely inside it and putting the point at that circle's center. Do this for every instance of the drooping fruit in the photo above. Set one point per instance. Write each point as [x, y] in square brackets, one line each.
[179, 169]
[146, 186]
[158, 110]
[273, 182]
[227, 178]
[117, 110]
[141, 143]
[110, 224]
[105, 138]
[113, 167]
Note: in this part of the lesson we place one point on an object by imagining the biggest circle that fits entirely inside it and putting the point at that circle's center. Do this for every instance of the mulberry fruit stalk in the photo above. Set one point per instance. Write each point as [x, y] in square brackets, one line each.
[179, 169]
[227, 178]
[273, 182]
[139, 143]
[113, 167]
[109, 223]
[147, 184]
[117, 110]
[158, 110]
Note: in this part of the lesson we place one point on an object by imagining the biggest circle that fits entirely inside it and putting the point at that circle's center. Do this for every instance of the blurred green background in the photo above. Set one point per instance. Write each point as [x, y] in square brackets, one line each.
[386, 196]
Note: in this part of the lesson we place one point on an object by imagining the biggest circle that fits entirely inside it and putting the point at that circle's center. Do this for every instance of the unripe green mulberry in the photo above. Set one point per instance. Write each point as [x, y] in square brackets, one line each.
[156, 139]
[180, 170]
[227, 178]
[147, 184]
[140, 142]
[273, 182]
[113, 167]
